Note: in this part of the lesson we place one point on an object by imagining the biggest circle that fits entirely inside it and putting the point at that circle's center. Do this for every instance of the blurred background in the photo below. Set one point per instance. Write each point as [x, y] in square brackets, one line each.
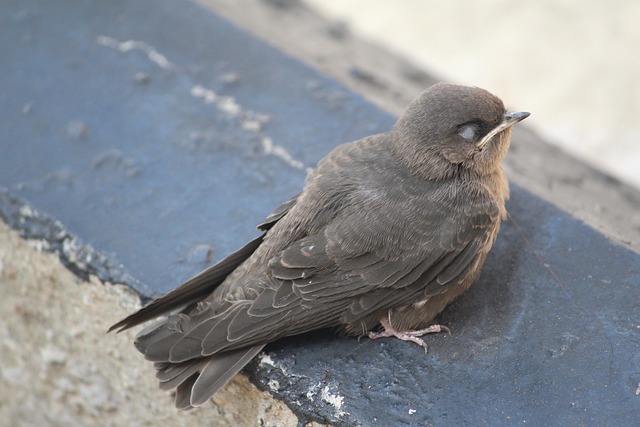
[573, 64]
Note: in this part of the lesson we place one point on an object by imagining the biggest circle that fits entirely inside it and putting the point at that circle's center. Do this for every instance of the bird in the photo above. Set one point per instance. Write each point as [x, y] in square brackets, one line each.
[386, 232]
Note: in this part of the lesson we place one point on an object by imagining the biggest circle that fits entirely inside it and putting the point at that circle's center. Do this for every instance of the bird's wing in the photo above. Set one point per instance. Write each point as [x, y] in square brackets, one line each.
[375, 261]
[277, 215]
[360, 262]
[205, 282]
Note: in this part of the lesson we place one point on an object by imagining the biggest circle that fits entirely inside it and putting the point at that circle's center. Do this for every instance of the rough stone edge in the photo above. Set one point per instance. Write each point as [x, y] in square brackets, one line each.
[80, 258]
[68, 370]
[391, 82]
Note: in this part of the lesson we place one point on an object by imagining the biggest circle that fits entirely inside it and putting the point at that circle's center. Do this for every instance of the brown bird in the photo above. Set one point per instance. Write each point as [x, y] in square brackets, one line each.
[387, 231]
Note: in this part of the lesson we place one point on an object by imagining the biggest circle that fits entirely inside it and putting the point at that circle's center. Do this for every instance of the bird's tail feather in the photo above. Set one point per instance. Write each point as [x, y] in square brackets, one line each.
[197, 380]
[193, 290]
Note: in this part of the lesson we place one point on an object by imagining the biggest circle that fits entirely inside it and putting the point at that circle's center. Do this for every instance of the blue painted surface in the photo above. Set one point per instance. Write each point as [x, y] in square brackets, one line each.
[135, 154]
[125, 150]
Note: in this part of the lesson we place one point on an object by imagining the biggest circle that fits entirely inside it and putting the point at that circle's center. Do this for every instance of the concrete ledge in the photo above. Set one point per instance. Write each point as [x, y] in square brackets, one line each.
[147, 148]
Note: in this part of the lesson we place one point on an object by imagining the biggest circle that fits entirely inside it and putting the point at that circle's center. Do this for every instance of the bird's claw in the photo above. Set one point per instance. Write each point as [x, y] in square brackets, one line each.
[413, 336]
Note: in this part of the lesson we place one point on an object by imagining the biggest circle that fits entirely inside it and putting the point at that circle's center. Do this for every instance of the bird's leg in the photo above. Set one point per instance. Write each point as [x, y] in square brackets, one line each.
[413, 336]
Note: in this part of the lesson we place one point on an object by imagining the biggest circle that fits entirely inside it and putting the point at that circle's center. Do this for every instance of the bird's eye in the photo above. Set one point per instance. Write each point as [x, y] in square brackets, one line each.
[468, 132]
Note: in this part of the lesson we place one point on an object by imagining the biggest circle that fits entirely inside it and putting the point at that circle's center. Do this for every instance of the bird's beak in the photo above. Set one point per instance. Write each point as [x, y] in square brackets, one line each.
[509, 119]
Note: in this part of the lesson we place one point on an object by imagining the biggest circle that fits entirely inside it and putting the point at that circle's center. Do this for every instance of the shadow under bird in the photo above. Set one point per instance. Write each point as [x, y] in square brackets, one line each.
[388, 230]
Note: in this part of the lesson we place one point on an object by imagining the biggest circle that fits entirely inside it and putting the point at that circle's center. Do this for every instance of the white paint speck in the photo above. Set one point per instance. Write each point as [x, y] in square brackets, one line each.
[638, 390]
[278, 151]
[207, 95]
[334, 400]
[154, 56]
[226, 104]
[265, 359]
[325, 394]
[412, 411]
[26, 211]
[252, 125]
[274, 385]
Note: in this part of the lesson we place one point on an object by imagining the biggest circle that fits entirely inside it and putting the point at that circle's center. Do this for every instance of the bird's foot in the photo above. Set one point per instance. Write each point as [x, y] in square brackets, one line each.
[413, 336]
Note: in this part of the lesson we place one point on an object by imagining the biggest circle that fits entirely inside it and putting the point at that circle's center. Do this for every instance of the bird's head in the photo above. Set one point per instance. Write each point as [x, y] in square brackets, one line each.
[451, 129]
